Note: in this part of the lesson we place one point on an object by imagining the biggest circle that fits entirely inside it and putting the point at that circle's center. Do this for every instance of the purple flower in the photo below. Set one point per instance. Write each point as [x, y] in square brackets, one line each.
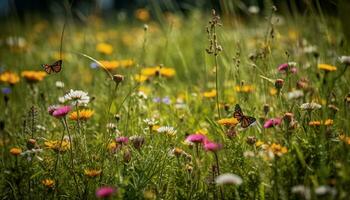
[105, 191]
[93, 65]
[196, 138]
[122, 140]
[156, 100]
[6, 90]
[211, 146]
[166, 100]
[61, 111]
[272, 122]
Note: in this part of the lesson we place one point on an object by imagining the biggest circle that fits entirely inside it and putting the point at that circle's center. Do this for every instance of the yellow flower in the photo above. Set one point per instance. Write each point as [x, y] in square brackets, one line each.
[142, 14]
[259, 143]
[344, 138]
[92, 172]
[163, 71]
[9, 77]
[228, 121]
[328, 122]
[33, 76]
[109, 65]
[167, 72]
[140, 78]
[209, 94]
[48, 183]
[278, 149]
[15, 151]
[112, 146]
[244, 88]
[84, 114]
[155, 128]
[57, 145]
[314, 123]
[126, 63]
[104, 48]
[326, 67]
[273, 91]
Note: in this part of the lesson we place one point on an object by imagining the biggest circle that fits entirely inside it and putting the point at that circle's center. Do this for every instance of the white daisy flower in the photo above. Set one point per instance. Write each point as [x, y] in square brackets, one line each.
[59, 84]
[169, 130]
[295, 94]
[77, 97]
[310, 106]
[150, 121]
[345, 60]
[325, 189]
[228, 178]
[302, 191]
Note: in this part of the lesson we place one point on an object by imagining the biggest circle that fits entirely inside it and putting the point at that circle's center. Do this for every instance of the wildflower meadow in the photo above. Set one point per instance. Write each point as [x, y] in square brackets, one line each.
[219, 101]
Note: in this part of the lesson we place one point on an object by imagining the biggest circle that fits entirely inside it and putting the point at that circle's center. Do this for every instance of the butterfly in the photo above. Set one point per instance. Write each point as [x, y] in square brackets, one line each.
[56, 67]
[244, 120]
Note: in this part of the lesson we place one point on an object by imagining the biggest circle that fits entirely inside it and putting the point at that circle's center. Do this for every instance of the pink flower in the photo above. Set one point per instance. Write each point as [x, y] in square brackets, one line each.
[196, 138]
[105, 192]
[61, 111]
[211, 146]
[122, 140]
[52, 108]
[272, 122]
[291, 66]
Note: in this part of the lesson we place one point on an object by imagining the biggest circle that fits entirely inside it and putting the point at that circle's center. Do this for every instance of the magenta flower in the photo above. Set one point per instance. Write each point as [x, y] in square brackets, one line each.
[272, 122]
[196, 138]
[61, 111]
[211, 146]
[105, 192]
[122, 140]
[52, 108]
[291, 66]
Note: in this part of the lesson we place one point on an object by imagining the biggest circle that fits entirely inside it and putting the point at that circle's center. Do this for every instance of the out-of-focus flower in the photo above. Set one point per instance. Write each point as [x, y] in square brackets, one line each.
[277, 149]
[345, 60]
[33, 76]
[272, 122]
[137, 141]
[244, 88]
[84, 114]
[209, 94]
[279, 84]
[228, 179]
[9, 77]
[142, 14]
[48, 183]
[59, 84]
[6, 90]
[253, 9]
[327, 68]
[122, 140]
[104, 48]
[325, 189]
[302, 191]
[61, 111]
[196, 138]
[109, 65]
[345, 139]
[154, 71]
[211, 146]
[92, 172]
[310, 106]
[15, 151]
[288, 67]
[295, 94]
[105, 192]
[77, 97]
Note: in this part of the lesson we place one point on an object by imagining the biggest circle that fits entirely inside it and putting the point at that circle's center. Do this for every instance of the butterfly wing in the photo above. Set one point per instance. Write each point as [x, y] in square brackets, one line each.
[238, 114]
[247, 121]
[47, 68]
[57, 66]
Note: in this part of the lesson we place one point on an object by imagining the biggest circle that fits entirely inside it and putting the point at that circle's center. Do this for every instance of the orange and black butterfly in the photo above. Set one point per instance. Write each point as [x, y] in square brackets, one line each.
[244, 120]
[56, 67]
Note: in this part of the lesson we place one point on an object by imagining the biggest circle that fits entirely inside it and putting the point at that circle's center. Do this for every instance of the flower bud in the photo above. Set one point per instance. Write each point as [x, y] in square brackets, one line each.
[118, 78]
[279, 84]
